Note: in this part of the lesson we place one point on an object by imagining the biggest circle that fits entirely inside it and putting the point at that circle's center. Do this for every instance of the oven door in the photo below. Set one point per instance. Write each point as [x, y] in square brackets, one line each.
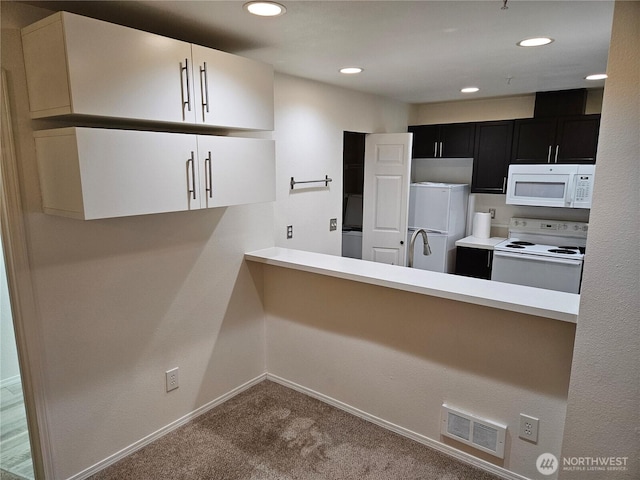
[560, 274]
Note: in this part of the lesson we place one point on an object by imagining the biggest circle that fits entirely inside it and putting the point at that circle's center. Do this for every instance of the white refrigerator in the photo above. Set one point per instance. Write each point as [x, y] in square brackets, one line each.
[441, 209]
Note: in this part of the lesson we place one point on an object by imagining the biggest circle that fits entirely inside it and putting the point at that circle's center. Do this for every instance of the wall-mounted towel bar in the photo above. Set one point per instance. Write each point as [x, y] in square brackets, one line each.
[326, 181]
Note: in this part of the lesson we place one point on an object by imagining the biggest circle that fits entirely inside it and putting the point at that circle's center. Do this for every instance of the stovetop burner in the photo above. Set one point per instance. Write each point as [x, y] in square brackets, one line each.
[526, 247]
[573, 247]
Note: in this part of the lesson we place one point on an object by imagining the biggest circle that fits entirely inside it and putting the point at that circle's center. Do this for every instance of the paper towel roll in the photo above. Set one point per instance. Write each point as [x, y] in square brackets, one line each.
[482, 225]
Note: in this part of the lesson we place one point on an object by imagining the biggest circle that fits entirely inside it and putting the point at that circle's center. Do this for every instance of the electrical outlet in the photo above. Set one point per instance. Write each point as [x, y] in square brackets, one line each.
[289, 231]
[333, 224]
[528, 428]
[171, 378]
[492, 211]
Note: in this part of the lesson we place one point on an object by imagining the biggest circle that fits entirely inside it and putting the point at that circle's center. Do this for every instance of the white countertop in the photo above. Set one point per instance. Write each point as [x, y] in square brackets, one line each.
[516, 298]
[475, 242]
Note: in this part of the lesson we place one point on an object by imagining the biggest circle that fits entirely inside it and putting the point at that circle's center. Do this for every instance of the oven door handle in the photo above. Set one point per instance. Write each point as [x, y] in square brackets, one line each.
[532, 257]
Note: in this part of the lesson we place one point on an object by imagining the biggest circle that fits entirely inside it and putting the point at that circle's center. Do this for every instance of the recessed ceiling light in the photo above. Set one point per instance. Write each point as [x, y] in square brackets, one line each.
[469, 89]
[596, 76]
[350, 70]
[535, 42]
[265, 9]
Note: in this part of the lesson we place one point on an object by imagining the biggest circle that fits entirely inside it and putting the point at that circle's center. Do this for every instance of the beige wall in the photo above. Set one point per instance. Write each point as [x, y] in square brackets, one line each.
[399, 356]
[123, 300]
[487, 109]
[603, 417]
[310, 120]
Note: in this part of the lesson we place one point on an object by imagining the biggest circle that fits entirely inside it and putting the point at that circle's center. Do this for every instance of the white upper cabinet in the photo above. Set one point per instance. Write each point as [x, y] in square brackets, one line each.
[232, 91]
[91, 173]
[81, 66]
[109, 71]
[236, 170]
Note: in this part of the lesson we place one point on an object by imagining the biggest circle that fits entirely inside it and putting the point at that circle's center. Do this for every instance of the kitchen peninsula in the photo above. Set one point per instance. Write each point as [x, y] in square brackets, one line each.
[516, 298]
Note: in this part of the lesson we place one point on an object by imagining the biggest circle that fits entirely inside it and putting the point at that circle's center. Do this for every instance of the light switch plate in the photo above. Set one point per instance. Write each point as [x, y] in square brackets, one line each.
[333, 224]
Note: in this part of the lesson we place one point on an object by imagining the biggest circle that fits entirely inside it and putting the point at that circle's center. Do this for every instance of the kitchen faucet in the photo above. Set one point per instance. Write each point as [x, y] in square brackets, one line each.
[426, 248]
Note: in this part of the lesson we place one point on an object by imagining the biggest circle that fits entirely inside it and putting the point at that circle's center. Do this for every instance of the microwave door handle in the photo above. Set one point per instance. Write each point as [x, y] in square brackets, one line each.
[571, 190]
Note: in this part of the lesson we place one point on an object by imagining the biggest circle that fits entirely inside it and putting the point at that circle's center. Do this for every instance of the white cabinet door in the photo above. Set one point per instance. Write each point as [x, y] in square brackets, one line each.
[232, 91]
[92, 173]
[236, 170]
[110, 71]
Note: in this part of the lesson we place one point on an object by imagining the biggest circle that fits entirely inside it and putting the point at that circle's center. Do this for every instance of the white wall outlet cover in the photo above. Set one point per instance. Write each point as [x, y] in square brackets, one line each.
[528, 428]
[171, 379]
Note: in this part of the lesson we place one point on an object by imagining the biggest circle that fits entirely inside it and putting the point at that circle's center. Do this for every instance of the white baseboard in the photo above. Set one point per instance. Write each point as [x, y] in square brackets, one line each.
[164, 430]
[429, 442]
[7, 382]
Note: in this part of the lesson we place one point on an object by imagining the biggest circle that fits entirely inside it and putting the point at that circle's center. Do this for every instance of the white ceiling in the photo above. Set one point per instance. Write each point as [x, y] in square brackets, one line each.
[417, 52]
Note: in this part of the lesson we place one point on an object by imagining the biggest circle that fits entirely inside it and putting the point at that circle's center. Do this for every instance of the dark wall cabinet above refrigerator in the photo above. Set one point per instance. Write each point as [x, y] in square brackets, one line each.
[453, 140]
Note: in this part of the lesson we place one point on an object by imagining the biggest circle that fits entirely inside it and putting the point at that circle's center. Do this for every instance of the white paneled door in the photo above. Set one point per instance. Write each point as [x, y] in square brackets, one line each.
[387, 171]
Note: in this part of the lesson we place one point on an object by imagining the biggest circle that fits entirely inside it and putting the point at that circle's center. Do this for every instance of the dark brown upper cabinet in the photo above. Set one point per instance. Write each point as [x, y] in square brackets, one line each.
[491, 156]
[455, 140]
[566, 139]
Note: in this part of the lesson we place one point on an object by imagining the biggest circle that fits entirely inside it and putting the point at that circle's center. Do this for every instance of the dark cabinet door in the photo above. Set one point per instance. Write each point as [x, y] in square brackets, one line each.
[457, 140]
[425, 140]
[570, 139]
[443, 141]
[474, 262]
[577, 139]
[534, 140]
[491, 156]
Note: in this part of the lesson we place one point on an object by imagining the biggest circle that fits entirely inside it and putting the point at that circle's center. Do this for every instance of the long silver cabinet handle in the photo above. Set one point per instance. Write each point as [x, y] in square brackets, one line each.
[435, 149]
[441, 144]
[549, 155]
[204, 89]
[187, 102]
[209, 178]
[504, 184]
[192, 190]
[488, 258]
[557, 148]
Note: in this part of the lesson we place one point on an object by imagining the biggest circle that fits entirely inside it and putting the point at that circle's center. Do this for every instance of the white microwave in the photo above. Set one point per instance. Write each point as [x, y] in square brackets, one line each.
[544, 185]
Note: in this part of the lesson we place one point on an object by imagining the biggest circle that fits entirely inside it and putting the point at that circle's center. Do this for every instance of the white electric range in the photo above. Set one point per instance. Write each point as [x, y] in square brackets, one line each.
[542, 253]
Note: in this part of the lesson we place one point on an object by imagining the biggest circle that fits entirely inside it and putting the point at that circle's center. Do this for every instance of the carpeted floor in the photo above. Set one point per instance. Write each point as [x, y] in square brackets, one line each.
[271, 432]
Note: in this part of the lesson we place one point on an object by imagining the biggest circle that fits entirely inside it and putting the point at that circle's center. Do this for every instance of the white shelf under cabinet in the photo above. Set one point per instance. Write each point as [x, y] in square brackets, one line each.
[82, 66]
[91, 173]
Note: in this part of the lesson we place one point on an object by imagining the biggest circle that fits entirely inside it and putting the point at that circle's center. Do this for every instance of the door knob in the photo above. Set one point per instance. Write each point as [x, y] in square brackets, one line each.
[401, 242]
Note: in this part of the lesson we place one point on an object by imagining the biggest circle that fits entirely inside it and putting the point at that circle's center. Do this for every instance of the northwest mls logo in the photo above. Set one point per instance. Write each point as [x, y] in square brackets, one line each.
[547, 464]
